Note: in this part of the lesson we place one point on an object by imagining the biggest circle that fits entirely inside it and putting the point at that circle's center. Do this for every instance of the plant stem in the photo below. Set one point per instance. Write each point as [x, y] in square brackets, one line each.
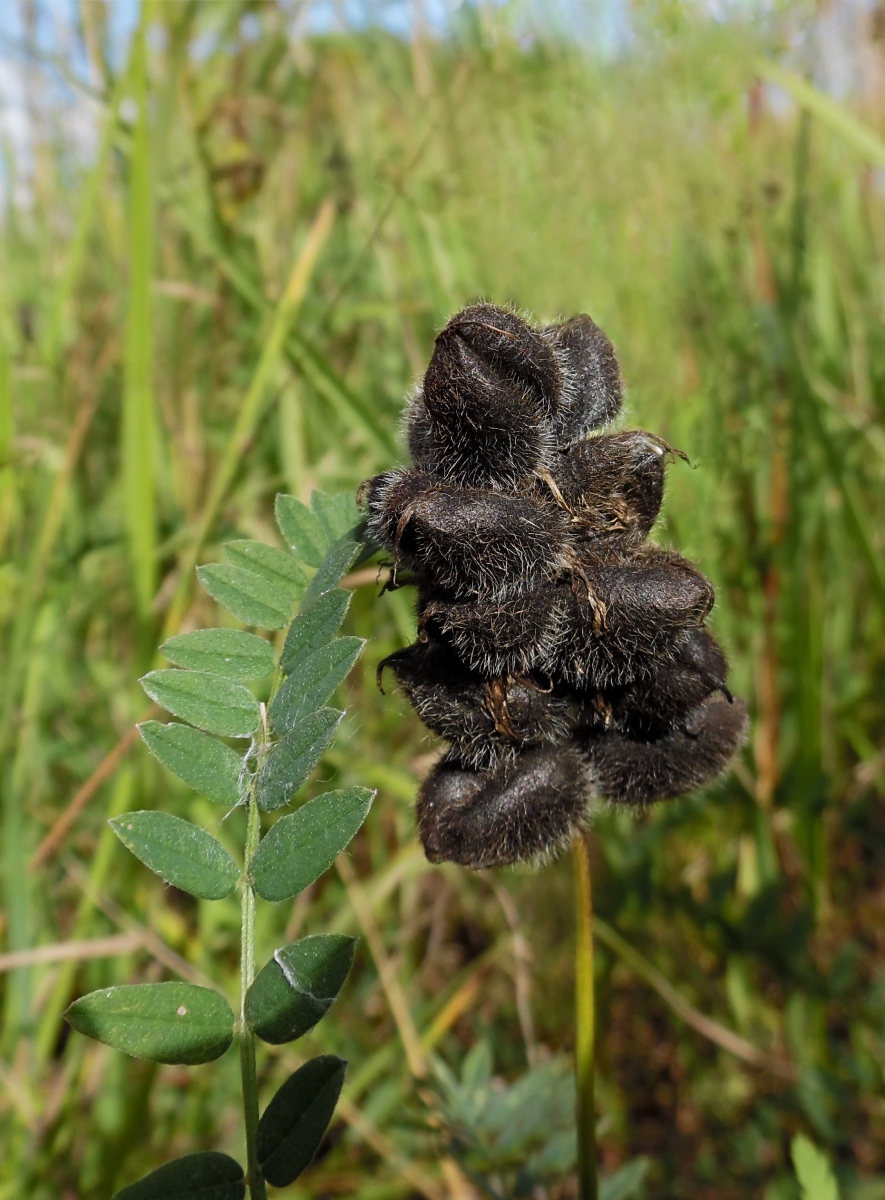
[585, 1023]
[257, 1189]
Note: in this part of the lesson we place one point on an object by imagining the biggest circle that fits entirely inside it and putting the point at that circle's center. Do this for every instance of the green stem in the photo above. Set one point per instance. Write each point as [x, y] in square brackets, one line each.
[257, 1189]
[585, 1022]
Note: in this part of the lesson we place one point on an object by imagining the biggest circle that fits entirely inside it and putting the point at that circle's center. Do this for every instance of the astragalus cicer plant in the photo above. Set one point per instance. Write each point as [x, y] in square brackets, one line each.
[206, 689]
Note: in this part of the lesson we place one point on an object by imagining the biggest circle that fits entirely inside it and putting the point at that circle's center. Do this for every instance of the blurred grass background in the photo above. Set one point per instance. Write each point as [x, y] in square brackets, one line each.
[224, 290]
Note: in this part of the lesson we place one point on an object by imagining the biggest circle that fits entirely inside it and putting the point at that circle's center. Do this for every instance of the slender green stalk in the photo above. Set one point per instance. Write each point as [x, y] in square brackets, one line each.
[585, 1023]
[257, 1189]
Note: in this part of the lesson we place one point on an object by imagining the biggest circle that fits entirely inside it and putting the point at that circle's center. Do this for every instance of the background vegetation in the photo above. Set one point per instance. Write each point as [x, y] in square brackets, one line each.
[152, 404]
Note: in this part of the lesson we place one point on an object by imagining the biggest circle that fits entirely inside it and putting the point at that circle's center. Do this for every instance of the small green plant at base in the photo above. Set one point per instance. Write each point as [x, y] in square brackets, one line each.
[178, 1022]
[513, 1140]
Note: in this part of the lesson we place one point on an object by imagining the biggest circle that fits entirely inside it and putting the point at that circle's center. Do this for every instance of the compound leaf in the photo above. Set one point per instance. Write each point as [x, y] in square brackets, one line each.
[298, 986]
[292, 759]
[208, 701]
[314, 627]
[293, 1124]
[248, 596]
[276, 567]
[312, 682]
[228, 652]
[300, 847]
[301, 529]
[204, 763]
[163, 1022]
[206, 1176]
[178, 851]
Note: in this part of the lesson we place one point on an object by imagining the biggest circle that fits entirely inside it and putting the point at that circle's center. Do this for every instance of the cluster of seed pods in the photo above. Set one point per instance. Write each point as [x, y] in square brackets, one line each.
[561, 654]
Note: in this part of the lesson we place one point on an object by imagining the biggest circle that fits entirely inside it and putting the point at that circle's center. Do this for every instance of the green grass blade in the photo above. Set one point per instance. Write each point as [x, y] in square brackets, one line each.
[835, 116]
[103, 863]
[87, 215]
[139, 432]
[7, 469]
[355, 411]
[254, 400]
[17, 883]
[6, 425]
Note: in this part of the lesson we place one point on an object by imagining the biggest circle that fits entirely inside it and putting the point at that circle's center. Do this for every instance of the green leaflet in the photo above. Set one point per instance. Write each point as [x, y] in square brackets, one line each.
[334, 565]
[248, 596]
[228, 652]
[207, 701]
[163, 1022]
[294, 1122]
[315, 533]
[336, 514]
[300, 847]
[179, 852]
[276, 567]
[314, 627]
[206, 1176]
[294, 757]
[301, 529]
[204, 763]
[312, 682]
[298, 986]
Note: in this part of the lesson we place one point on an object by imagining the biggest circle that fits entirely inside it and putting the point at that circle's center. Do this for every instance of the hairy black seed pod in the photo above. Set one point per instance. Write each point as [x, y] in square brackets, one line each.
[639, 770]
[593, 391]
[498, 636]
[612, 485]
[523, 811]
[485, 720]
[516, 351]
[473, 543]
[632, 617]
[491, 387]
[697, 669]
